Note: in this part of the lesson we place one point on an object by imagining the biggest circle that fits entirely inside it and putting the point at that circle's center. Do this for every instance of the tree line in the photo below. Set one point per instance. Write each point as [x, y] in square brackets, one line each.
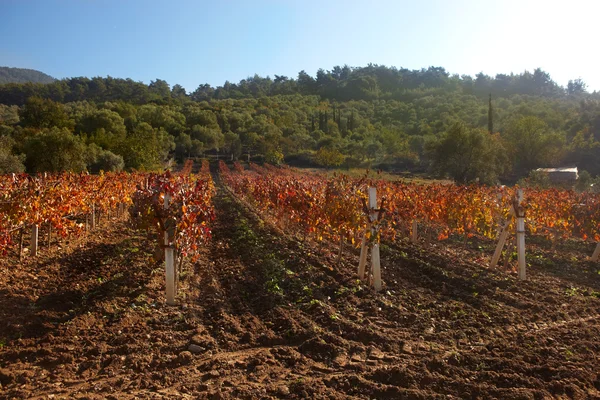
[470, 129]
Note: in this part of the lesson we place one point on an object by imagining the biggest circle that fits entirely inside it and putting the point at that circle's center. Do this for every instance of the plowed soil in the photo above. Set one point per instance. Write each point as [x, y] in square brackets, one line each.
[262, 315]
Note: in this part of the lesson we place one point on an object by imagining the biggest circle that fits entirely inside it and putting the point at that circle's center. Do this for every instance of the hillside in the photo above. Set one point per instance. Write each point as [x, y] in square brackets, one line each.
[23, 75]
[470, 129]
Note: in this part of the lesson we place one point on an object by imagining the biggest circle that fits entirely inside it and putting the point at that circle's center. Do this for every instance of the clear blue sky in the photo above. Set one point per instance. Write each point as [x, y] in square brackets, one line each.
[194, 42]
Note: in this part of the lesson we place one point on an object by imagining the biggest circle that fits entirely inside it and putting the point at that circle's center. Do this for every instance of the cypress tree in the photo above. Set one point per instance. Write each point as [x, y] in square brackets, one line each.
[490, 119]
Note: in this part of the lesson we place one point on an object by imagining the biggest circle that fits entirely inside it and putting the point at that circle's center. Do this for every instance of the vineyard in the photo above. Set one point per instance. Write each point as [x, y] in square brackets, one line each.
[246, 282]
[335, 209]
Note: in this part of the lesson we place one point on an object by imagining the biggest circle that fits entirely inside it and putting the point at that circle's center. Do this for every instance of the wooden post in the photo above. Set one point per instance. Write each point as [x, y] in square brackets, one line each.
[596, 254]
[93, 226]
[363, 254]
[500, 246]
[375, 263]
[179, 270]
[414, 237]
[521, 236]
[169, 262]
[21, 237]
[502, 240]
[34, 240]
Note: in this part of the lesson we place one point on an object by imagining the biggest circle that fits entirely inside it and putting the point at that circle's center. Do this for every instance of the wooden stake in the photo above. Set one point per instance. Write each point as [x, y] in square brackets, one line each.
[502, 240]
[521, 237]
[169, 262]
[170, 274]
[375, 261]
[375, 264]
[34, 240]
[93, 217]
[596, 254]
[22, 236]
[414, 237]
[363, 254]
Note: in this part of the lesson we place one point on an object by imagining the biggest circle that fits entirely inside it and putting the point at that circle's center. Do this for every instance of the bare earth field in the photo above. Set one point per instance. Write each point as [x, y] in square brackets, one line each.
[261, 315]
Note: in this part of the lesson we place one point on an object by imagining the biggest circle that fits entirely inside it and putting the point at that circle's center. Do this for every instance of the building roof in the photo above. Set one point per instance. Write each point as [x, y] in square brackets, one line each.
[569, 169]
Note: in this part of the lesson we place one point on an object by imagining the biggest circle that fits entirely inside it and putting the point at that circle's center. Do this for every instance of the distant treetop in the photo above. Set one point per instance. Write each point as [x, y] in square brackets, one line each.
[372, 82]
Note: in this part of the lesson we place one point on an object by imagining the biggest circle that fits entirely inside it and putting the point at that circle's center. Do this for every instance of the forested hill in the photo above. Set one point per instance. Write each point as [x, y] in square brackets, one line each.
[373, 116]
[373, 82]
[23, 75]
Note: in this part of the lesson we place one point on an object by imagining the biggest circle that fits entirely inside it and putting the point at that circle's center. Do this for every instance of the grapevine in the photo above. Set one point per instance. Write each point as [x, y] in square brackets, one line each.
[330, 208]
[186, 219]
[59, 200]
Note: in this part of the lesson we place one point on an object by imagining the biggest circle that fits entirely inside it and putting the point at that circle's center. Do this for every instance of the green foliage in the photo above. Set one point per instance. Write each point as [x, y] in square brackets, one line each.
[329, 157]
[232, 144]
[576, 87]
[168, 118]
[537, 180]
[587, 183]
[210, 137]
[146, 148]
[95, 119]
[467, 155]
[103, 160]
[373, 116]
[533, 143]
[584, 150]
[55, 150]
[9, 115]
[10, 162]
[274, 157]
[43, 113]
[198, 116]
[186, 147]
